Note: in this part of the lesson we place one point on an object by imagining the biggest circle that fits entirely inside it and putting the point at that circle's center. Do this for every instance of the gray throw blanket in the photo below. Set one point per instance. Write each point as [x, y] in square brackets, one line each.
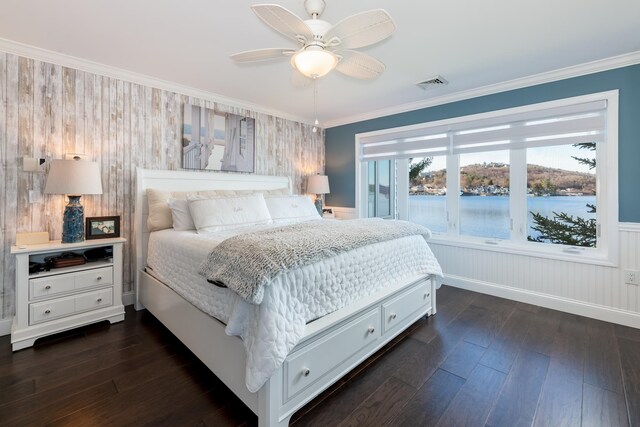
[246, 262]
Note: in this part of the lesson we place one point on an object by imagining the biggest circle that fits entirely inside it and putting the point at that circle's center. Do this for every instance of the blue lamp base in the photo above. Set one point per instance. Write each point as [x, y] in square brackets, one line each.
[73, 221]
[318, 203]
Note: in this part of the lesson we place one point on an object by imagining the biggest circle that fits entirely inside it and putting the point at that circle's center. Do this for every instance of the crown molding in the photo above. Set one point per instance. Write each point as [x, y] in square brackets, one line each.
[611, 63]
[44, 55]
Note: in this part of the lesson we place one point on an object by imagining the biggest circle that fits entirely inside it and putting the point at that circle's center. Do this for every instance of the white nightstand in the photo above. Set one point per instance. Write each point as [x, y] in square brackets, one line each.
[52, 301]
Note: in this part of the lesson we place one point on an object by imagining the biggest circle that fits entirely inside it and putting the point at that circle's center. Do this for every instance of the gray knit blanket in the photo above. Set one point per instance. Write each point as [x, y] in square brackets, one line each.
[245, 263]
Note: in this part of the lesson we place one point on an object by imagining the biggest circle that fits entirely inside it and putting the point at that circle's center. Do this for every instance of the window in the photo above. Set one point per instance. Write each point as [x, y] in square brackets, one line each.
[428, 192]
[521, 180]
[484, 195]
[381, 189]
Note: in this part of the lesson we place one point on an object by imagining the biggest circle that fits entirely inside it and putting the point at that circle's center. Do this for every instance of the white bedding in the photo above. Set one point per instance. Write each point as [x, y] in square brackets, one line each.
[272, 329]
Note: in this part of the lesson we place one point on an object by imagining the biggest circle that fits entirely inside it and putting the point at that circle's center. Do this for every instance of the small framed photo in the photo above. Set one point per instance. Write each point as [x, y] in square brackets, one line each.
[102, 227]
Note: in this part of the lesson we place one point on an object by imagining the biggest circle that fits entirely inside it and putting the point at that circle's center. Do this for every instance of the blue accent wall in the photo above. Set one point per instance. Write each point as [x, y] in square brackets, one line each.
[340, 140]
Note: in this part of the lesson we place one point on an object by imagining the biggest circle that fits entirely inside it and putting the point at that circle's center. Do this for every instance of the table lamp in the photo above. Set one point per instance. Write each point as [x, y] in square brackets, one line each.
[73, 178]
[318, 185]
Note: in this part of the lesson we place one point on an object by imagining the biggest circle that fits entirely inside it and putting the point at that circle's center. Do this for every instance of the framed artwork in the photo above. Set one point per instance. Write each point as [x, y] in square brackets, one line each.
[102, 227]
[217, 141]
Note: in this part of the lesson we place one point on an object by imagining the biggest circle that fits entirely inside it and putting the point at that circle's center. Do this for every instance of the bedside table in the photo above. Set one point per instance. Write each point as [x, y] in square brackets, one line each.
[53, 301]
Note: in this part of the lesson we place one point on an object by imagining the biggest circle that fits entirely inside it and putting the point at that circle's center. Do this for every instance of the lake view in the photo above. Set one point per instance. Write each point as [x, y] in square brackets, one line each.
[488, 216]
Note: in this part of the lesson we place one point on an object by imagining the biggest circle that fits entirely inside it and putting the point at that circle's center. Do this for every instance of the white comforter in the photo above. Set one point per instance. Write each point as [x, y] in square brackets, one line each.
[273, 328]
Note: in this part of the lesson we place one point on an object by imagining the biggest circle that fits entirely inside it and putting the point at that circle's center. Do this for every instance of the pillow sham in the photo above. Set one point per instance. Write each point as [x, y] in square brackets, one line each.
[291, 208]
[160, 216]
[180, 214]
[224, 213]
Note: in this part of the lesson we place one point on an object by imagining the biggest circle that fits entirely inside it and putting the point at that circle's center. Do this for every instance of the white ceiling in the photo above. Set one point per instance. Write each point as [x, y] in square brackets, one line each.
[470, 43]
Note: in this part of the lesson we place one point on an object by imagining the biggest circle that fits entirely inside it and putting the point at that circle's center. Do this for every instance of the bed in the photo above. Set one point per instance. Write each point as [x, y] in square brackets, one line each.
[327, 346]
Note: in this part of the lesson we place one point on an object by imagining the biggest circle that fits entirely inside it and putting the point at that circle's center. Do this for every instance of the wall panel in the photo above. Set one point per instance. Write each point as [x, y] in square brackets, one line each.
[48, 110]
[591, 290]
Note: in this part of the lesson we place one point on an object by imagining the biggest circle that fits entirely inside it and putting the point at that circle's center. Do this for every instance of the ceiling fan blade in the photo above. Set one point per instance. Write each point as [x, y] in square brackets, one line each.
[299, 80]
[362, 29]
[262, 54]
[359, 65]
[283, 21]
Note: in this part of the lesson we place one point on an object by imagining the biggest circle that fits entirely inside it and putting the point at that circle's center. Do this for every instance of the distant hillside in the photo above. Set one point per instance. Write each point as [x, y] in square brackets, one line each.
[542, 180]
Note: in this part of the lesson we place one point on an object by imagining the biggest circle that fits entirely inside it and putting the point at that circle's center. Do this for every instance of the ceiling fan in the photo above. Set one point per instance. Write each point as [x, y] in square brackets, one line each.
[322, 46]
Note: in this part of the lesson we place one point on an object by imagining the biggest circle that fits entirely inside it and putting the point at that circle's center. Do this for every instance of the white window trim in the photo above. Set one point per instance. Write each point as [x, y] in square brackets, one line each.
[607, 253]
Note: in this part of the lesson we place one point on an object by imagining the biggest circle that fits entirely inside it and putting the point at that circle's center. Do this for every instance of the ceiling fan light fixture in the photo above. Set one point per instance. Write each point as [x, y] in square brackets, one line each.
[314, 61]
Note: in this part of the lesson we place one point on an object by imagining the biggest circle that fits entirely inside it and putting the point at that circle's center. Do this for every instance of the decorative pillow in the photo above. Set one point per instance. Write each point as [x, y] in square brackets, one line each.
[291, 208]
[159, 213]
[160, 216]
[181, 215]
[224, 213]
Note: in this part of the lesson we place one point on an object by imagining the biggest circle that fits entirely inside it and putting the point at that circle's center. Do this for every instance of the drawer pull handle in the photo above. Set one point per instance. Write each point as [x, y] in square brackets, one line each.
[47, 287]
[371, 329]
[99, 278]
[47, 311]
[426, 296]
[99, 299]
[393, 316]
[306, 372]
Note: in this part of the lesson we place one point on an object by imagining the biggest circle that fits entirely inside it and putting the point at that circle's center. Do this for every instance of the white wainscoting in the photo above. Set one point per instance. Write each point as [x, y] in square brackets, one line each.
[128, 298]
[587, 290]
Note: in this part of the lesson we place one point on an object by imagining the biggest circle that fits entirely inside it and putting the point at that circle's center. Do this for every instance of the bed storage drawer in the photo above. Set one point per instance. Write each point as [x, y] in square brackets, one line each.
[309, 364]
[397, 309]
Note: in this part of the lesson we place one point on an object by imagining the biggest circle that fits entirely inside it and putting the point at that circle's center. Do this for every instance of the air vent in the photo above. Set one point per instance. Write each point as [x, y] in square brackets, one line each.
[432, 82]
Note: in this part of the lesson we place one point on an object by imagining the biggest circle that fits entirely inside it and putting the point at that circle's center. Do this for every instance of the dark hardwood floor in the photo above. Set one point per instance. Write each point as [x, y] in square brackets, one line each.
[480, 361]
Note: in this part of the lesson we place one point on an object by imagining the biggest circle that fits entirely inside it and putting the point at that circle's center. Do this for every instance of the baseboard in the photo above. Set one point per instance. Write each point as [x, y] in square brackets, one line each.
[580, 308]
[5, 326]
[128, 298]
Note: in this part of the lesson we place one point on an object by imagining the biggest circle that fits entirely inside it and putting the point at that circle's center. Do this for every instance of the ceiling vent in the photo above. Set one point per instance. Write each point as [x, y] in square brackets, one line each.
[432, 82]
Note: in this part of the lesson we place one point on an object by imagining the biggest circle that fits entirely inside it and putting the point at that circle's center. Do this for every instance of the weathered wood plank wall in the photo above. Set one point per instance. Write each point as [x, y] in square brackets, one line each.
[47, 110]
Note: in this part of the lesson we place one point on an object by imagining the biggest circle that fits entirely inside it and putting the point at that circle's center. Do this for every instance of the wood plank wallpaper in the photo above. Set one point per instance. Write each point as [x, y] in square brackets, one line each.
[48, 110]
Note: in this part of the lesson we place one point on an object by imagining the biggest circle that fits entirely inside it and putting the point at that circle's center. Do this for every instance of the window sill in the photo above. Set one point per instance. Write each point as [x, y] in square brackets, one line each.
[549, 251]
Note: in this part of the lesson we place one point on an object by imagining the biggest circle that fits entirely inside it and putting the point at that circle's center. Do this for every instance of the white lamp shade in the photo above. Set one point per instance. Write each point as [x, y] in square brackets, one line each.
[318, 184]
[73, 177]
[314, 61]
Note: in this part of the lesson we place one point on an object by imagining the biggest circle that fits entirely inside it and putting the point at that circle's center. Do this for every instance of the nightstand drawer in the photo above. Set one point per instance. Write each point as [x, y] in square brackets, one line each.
[68, 282]
[398, 309]
[48, 310]
[94, 300]
[51, 285]
[92, 278]
[67, 306]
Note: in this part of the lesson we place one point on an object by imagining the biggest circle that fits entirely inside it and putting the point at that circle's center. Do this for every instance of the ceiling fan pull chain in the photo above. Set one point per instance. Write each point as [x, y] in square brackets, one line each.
[314, 129]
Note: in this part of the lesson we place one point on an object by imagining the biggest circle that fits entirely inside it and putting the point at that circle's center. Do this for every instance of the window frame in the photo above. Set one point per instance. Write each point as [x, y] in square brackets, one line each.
[606, 252]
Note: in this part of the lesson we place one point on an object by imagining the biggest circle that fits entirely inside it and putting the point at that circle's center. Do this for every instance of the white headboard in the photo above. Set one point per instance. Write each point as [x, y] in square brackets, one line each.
[187, 181]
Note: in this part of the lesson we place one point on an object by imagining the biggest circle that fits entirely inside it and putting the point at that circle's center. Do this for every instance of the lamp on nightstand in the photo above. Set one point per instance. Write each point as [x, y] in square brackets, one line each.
[318, 185]
[73, 178]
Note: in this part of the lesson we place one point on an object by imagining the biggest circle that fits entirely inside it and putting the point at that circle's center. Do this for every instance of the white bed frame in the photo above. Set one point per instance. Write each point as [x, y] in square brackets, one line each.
[331, 346]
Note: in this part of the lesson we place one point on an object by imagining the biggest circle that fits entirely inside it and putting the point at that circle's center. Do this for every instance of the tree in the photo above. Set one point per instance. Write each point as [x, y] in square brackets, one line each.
[417, 168]
[564, 229]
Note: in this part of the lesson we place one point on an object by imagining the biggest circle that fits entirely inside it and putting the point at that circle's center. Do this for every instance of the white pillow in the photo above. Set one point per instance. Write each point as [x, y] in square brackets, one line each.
[181, 215]
[291, 208]
[224, 213]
